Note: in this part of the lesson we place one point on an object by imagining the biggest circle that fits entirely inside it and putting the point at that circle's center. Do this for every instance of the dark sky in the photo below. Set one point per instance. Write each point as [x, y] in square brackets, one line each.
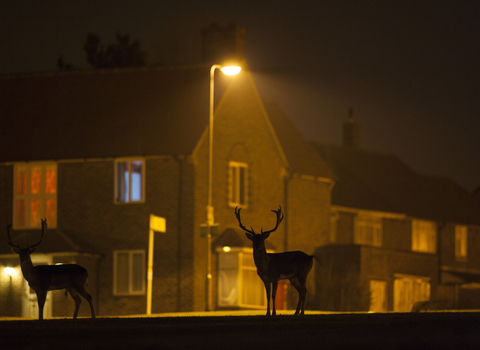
[409, 69]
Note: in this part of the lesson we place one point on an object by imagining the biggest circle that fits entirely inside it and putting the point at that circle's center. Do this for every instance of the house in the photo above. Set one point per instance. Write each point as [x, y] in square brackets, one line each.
[97, 152]
[397, 237]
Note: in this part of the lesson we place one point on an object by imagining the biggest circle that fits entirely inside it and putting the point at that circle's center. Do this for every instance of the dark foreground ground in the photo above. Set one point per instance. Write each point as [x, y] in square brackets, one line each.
[452, 330]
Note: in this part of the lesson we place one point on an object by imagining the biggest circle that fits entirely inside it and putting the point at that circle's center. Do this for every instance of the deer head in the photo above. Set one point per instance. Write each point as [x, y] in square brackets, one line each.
[258, 239]
[24, 252]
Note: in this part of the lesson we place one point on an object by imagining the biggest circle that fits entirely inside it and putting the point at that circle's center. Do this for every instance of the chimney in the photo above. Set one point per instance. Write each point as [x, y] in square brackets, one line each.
[220, 44]
[351, 132]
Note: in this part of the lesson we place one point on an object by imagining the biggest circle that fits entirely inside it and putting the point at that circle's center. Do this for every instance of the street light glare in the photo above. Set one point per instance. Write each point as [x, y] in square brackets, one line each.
[10, 271]
[231, 70]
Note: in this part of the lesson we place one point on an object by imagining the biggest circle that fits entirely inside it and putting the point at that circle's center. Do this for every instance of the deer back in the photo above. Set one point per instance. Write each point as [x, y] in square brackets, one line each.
[61, 276]
[290, 263]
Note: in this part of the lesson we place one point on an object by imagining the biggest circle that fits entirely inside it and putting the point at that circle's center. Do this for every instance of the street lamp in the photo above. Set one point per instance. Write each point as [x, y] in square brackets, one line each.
[228, 70]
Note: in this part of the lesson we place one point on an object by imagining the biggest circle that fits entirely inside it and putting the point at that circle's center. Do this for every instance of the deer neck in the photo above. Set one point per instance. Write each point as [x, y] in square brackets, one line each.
[28, 270]
[260, 256]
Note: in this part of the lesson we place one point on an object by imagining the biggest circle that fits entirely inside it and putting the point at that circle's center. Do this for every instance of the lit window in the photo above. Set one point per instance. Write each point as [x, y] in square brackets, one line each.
[407, 290]
[378, 296]
[424, 236]
[129, 272]
[237, 183]
[368, 229]
[129, 181]
[35, 195]
[238, 281]
[461, 236]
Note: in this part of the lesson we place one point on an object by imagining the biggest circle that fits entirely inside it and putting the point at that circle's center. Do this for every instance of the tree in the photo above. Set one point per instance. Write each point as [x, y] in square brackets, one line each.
[122, 54]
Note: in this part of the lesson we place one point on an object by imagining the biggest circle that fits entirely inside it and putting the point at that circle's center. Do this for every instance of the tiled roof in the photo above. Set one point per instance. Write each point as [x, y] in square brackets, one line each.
[302, 157]
[90, 114]
[54, 241]
[382, 182]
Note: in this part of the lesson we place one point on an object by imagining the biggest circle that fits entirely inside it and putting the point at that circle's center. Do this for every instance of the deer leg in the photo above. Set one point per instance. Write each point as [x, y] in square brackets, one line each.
[77, 300]
[83, 292]
[302, 292]
[41, 297]
[303, 295]
[268, 288]
[274, 294]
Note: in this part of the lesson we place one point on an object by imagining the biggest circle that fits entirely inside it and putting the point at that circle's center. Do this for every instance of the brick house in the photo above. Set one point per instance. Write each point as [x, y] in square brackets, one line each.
[98, 152]
[397, 237]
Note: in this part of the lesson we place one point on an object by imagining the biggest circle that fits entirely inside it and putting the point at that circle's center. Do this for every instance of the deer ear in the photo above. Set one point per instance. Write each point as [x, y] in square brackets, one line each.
[249, 236]
[16, 250]
[265, 234]
[32, 250]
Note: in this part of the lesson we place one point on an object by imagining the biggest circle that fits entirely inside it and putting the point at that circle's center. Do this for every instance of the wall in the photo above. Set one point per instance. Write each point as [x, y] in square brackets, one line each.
[241, 133]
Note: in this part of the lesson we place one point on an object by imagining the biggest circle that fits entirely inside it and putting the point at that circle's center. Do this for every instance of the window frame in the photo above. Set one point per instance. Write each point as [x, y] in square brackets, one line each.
[424, 229]
[461, 242]
[366, 220]
[42, 196]
[131, 291]
[419, 289]
[236, 188]
[129, 162]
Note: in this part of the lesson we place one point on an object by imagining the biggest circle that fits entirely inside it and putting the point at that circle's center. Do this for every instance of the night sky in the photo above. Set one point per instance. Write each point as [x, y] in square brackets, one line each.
[409, 69]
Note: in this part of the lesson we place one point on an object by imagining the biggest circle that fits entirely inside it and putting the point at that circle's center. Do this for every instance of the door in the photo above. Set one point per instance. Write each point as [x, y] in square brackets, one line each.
[29, 300]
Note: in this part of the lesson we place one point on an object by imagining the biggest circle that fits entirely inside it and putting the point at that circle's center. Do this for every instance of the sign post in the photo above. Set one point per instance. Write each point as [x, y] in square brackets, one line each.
[157, 224]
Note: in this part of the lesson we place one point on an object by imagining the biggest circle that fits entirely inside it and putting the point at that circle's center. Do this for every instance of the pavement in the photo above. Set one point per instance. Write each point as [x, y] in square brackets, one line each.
[248, 330]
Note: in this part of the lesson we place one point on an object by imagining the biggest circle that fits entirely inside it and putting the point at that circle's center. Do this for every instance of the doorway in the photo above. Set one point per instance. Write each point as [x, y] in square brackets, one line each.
[29, 300]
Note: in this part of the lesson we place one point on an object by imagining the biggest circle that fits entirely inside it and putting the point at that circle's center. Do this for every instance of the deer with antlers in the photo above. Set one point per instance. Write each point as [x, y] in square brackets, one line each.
[273, 267]
[43, 278]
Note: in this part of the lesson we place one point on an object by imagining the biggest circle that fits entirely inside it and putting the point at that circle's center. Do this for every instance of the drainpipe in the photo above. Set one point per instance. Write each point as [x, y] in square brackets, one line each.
[288, 177]
[179, 159]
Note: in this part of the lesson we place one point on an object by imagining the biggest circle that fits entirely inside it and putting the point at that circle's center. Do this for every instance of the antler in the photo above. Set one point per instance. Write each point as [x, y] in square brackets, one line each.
[10, 239]
[44, 228]
[279, 220]
[237, 214]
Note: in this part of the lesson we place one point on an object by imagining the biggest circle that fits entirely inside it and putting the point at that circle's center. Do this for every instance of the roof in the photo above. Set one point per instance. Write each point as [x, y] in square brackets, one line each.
[54, 241]
[382, 182]
[121, 113]
[103, 113]
[301, 155]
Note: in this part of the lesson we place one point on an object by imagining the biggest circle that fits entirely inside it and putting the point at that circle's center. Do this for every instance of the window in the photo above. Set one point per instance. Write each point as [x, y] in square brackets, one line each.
[237, 183]
[129, 272]
[408, 290]
[461, 242]
[424, 236]
[368, 229]
[378, 296]
[129, 181]
[35, 195]
[238, 282]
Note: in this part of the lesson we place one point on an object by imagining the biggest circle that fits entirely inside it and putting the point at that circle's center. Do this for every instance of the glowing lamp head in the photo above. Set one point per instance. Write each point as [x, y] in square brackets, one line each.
[231, 70]
[226, 249]
[10, 271]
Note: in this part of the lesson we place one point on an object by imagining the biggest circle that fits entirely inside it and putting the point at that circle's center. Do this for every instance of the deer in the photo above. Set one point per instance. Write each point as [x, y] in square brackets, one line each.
[273, 267]
[43, 278]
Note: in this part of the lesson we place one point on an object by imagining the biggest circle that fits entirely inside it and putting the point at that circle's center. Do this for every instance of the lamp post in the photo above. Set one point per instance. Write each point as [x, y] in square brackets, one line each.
[228, 70]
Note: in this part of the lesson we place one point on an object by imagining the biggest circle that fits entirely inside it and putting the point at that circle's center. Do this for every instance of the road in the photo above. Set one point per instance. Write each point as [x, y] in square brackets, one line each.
[449, 330]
